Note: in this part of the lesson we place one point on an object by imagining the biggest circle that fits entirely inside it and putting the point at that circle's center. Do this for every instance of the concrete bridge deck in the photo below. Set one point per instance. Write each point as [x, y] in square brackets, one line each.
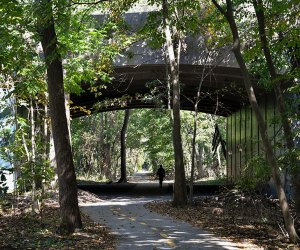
[141, 66]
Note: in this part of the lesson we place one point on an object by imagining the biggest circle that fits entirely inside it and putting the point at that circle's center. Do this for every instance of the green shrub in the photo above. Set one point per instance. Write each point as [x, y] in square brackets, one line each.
[255, 174]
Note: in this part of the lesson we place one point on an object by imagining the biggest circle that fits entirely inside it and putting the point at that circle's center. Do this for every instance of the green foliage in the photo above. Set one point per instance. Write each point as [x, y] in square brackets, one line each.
[89, 48]
[95, 141]
[286, 160]
[282, 34]
[16, 144]
[151, 131]
[255, 173]
[204, 135]
[90, 45]
[149, 139]
[184, 15]
[151, 32]
[34, 172]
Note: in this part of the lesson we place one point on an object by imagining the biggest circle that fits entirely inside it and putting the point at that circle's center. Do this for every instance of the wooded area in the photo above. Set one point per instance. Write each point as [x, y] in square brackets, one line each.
[51, 49]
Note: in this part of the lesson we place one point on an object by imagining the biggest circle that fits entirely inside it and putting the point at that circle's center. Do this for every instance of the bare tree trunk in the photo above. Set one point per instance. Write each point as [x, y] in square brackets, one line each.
[114, 163]
[103, 138]
[289, 224]
[38, 125]
[68, 199]
[195, 132]
[109, 124]
[218, 170]
[193, 157]
[288, 135]
[199, 161]
[101, 145]
[180, 192]
[123, 147]
[107, 160]
[46, 142]
[30, 154]
[35, 206]
[68, 114]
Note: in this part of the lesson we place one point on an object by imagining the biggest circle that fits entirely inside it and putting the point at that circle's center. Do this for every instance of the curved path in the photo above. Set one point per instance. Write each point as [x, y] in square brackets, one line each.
[138, 228]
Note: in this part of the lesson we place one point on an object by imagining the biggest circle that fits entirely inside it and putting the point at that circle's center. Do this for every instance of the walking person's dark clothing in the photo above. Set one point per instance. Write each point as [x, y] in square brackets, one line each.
[161, 174]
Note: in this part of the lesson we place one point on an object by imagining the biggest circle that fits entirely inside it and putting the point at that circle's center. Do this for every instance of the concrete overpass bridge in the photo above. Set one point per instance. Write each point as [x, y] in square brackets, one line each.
[140, 78]
[140, 81]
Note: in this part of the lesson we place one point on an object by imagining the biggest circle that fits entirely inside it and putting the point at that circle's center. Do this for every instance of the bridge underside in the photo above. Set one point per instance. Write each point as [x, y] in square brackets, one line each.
[144, 86]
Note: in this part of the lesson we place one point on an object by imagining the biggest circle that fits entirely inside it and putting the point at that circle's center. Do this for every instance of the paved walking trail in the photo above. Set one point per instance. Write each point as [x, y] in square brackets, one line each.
[138, 228]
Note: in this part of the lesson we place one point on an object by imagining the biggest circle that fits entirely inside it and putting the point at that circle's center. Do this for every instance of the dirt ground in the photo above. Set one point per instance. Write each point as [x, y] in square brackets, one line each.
[236, 216]
[22, 229]
[232, 215]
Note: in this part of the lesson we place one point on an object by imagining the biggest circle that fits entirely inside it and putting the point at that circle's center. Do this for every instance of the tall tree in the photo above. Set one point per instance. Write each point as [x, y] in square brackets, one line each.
[288, 220]
[22, 75]
[123, 177]
[275, 78]
[173, 49]
[193, 155]
[68, 199]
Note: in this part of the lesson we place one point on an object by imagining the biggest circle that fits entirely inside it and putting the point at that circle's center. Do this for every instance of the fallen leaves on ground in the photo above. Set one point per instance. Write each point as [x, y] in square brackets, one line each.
[87, 197]
[252, 220]
[22, 229]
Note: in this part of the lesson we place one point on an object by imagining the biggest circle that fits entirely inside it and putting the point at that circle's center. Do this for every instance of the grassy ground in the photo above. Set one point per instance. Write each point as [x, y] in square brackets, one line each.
[22, 229]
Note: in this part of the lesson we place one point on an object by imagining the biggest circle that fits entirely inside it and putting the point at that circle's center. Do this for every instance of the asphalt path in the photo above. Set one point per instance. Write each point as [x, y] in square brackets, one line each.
[138, 228]
[122, 209]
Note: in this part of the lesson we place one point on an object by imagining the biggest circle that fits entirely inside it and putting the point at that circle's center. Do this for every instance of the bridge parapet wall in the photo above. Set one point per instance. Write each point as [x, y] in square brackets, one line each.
[194, 50]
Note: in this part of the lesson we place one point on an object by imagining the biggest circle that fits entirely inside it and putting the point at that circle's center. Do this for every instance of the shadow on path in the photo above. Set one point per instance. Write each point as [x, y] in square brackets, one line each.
[138, 228]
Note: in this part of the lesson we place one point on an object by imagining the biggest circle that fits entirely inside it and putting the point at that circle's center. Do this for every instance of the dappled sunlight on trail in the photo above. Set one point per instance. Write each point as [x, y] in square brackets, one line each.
[139, 228]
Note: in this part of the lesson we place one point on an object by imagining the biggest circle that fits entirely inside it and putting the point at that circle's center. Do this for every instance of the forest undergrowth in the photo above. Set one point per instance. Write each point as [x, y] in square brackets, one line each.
[22, 229]
[237, 216]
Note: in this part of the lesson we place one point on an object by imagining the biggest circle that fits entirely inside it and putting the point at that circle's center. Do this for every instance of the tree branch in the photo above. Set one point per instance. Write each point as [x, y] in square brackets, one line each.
[220, 8]
[99, 1]
[259, 10]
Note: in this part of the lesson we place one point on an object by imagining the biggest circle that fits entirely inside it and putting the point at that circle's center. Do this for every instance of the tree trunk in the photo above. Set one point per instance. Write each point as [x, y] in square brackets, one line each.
[39, 125]
[46, 142]
[259, 10]
[107, 161]
[101, 145]
[123, 147]
[109, 125]
[180, 192]
[199, 161]
[68, 114]
[195, 133]
[193, 157]
[35, 205]
[289, 224]
[219, 166]
[68, 199]
[114, 139]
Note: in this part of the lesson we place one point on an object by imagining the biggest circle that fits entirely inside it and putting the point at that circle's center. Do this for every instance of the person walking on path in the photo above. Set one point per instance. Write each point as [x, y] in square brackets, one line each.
[161, 175]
